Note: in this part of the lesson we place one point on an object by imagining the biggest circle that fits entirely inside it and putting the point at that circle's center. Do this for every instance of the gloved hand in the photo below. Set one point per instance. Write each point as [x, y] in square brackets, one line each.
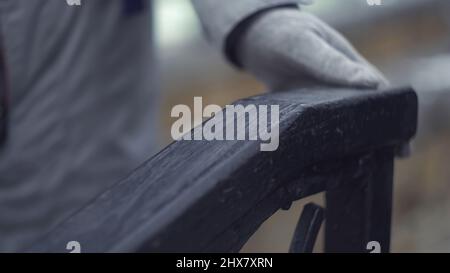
[288, 48]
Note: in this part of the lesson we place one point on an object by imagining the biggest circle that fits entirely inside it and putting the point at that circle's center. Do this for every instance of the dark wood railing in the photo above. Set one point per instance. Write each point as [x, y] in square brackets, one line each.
[211, 196]
[3, 98]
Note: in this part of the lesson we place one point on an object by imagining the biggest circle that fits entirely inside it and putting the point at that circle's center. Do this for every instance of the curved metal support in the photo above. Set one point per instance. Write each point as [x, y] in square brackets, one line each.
[307, 229]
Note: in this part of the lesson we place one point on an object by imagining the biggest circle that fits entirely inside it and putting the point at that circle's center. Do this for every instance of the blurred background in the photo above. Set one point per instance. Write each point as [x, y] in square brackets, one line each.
[409, 40]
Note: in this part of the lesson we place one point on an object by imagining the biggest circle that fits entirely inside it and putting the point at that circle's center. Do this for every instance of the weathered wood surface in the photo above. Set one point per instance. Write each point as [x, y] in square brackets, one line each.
[3, 123]
[359, 210]
[3, 99]
[211, 196]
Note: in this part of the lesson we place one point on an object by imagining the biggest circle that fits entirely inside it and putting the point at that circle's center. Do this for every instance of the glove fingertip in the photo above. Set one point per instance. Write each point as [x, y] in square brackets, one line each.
[369, 79]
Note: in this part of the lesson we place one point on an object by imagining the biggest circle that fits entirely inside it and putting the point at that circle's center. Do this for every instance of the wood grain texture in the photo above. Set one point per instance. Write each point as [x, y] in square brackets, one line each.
[359, 211]
[199, 196]
[3, 125]
[3, 98]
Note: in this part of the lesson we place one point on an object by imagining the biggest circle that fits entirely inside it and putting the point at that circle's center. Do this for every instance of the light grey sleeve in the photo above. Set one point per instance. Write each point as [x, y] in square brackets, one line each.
[220, 17]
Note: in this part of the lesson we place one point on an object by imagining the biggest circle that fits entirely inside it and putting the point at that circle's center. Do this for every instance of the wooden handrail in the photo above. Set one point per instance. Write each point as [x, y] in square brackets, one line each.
[211, 196]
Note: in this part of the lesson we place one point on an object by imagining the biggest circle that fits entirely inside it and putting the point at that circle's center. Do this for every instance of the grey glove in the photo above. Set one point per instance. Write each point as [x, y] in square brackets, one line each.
[288, 48]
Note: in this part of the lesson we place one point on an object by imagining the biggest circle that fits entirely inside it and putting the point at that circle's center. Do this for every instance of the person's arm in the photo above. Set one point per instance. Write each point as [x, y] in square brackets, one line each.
[222, 18]
[283, 46]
